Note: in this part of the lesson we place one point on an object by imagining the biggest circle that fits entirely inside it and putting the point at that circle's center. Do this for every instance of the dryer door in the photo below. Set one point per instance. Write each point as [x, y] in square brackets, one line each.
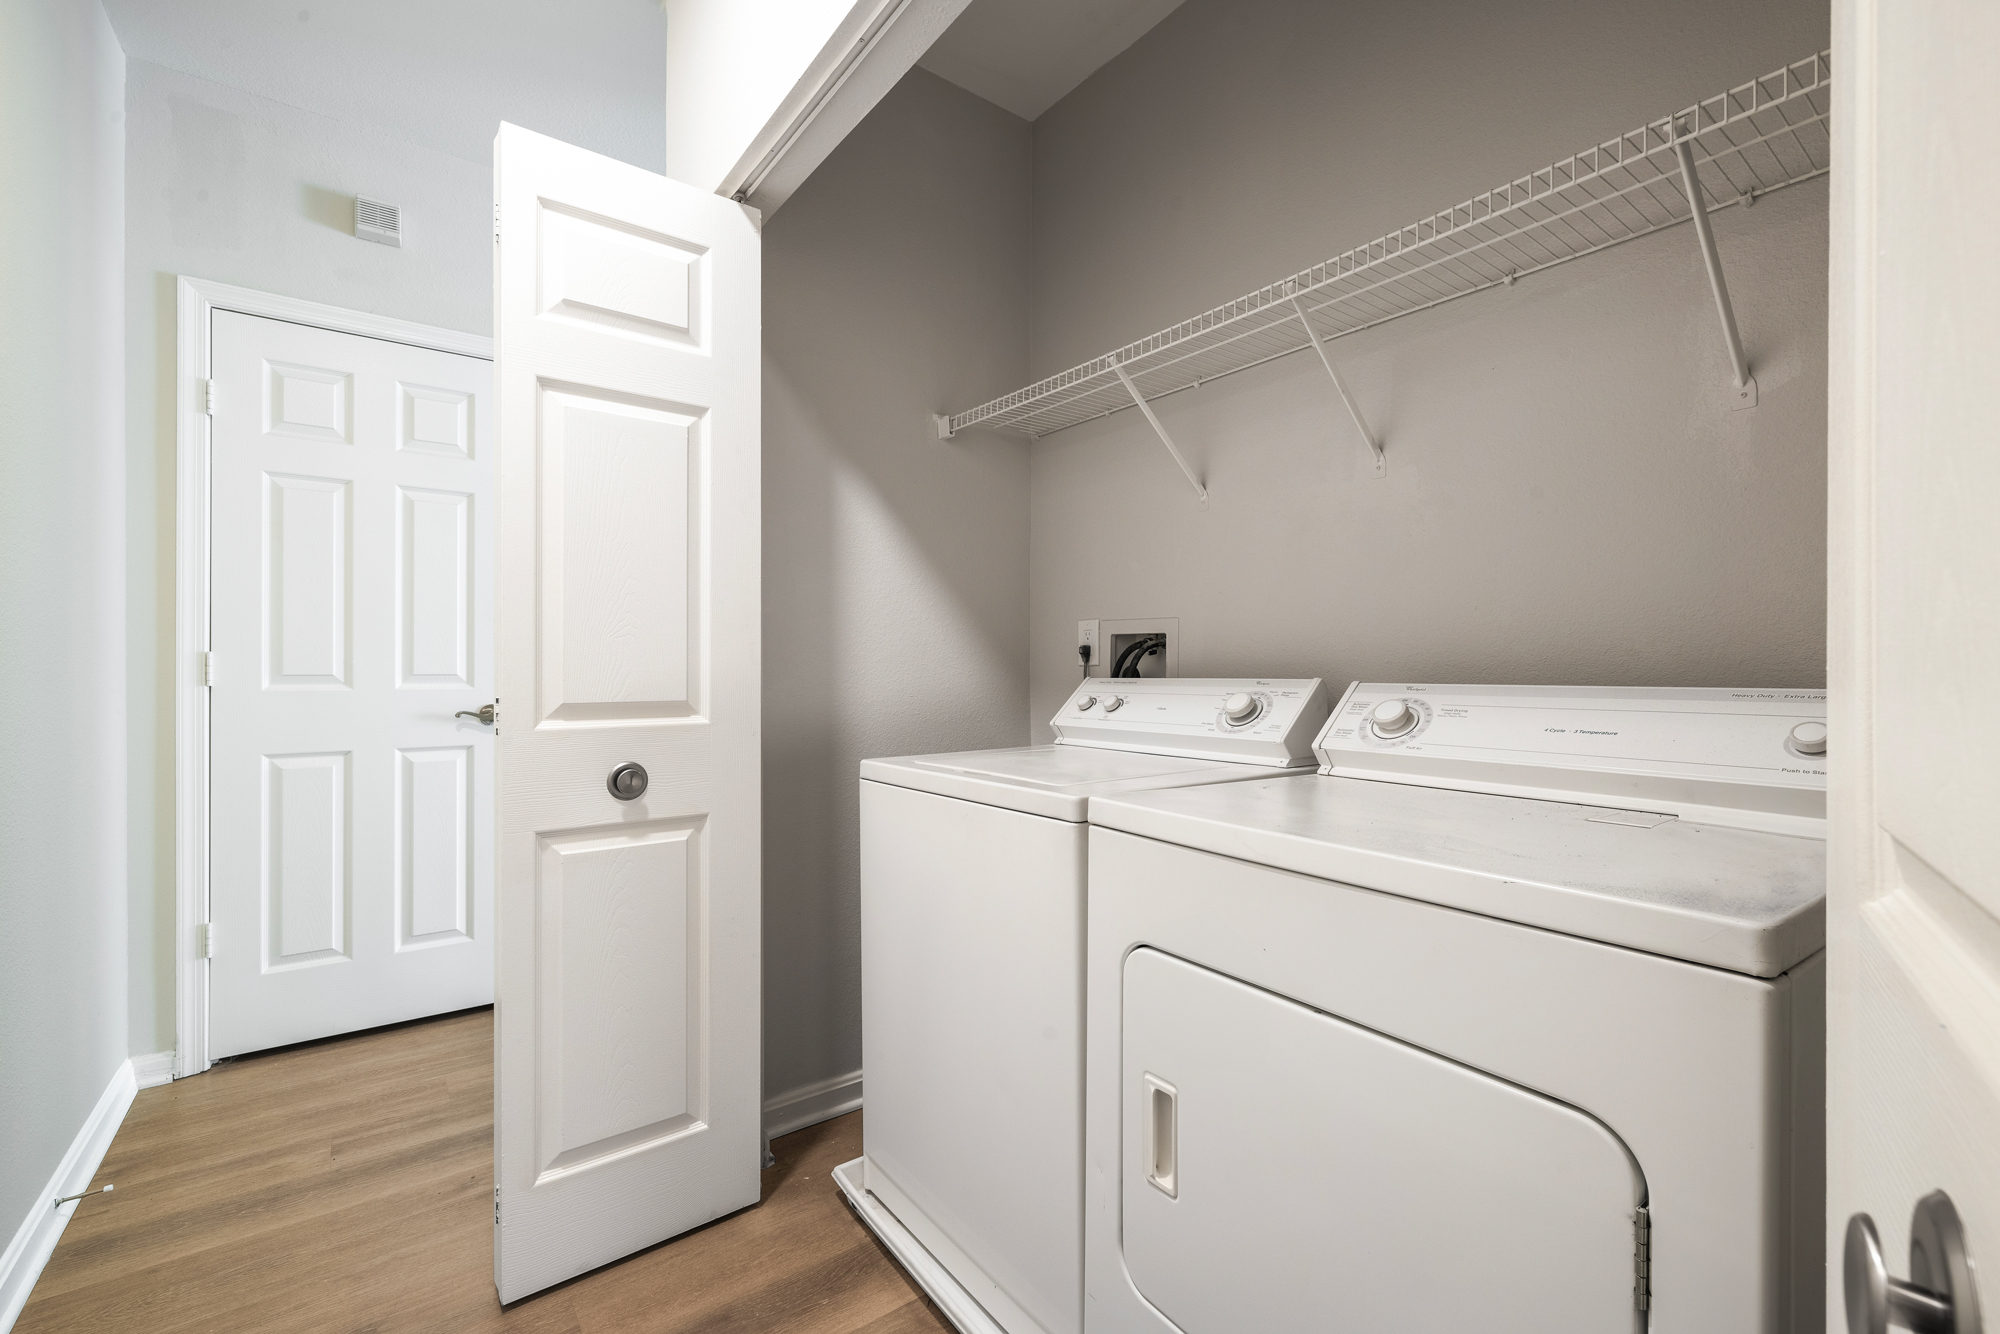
[1286, 1170]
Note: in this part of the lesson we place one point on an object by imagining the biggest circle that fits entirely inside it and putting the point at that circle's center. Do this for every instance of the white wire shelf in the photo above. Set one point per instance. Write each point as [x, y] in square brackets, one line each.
[1753, 139]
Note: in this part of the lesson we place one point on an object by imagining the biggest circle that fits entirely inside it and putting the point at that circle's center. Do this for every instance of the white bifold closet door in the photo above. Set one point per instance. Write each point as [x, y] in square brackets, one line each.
[627, 1083]
[351, 829]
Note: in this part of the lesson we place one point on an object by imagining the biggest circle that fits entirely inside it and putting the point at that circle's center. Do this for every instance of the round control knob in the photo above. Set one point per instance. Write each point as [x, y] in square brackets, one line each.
[1087, 702]
[1809, 738]
[1115, 703]
[1392, 717]
[1241, 708]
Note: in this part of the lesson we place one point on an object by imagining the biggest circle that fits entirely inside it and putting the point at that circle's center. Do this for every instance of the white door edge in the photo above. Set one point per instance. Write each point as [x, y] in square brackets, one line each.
[196, 300]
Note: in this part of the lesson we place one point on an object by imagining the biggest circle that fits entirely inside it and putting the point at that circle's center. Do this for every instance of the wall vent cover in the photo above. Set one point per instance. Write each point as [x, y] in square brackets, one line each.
[377, 221]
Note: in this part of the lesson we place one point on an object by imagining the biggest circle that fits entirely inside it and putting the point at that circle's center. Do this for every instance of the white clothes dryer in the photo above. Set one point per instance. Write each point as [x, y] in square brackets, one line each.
[1509, 1020]
[972, 921]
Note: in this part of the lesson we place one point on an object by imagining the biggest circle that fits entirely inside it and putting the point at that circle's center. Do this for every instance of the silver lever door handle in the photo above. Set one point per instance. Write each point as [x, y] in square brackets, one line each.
[486, 714]
[1938, 1297]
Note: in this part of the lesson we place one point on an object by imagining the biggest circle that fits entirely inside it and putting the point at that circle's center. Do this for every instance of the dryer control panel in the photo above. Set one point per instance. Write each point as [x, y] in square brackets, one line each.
[1263, 721]
[1750, 758]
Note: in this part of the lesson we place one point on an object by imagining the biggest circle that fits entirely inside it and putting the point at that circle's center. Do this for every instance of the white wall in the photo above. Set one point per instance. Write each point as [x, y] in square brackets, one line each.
[730, 65]
[230, 186]
[62, 568]
[895, 567]
[1569, 497]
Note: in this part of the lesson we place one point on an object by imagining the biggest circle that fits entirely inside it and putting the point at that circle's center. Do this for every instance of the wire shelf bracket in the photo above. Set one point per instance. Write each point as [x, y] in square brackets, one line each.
[1200, 491]
[1704, 231]
[1326, 360]
[1730, 149]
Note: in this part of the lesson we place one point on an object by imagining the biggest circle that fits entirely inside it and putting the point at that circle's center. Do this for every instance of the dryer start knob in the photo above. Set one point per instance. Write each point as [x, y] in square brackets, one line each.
[1087, 702]
[1241, 708]
[1392, 718]
[1809, 738]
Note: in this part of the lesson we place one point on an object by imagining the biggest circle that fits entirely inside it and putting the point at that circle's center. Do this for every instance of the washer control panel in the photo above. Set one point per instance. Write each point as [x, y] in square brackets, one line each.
[1753, 758]
[1270, 722]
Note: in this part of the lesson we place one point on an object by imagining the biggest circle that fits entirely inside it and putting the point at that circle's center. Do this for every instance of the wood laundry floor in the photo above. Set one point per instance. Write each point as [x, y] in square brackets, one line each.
[348, 1187]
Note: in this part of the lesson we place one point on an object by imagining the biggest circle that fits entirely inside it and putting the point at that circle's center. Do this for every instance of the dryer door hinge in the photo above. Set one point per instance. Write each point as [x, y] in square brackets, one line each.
[1642, 1259]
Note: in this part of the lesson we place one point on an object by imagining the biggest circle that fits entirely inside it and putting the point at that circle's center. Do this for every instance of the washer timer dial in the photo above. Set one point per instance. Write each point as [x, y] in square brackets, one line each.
[1393, 718]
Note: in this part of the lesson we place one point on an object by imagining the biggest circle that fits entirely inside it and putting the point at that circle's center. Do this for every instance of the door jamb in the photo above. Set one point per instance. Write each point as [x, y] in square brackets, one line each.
[196, 300]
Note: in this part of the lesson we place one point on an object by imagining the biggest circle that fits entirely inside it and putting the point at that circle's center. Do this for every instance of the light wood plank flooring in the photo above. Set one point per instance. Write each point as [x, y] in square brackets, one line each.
[348, 1187]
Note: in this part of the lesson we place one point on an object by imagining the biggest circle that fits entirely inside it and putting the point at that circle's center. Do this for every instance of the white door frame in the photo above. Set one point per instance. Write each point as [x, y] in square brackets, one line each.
[196, 300]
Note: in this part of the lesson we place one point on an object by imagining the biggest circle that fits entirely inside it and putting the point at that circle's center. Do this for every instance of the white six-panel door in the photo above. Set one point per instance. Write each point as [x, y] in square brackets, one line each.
[627, 1085]
[351, 813]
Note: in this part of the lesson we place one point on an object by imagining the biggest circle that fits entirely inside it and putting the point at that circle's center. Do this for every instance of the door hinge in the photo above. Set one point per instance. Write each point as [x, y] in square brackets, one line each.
[496, 1206]
[1642, 1259]
[208, 667]
[496, 222]
[208, 397]
[204, 941]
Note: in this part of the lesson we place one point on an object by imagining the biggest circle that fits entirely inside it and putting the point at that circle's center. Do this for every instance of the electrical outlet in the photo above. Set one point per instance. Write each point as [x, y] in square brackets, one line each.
[1114, 637]
[1086, 633]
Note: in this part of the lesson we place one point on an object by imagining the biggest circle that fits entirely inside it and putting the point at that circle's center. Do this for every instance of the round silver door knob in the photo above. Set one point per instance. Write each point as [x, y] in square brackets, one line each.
[628, 781]
[1809, 738]
[1392, 718]
[1937, 1298]
[1241, 708]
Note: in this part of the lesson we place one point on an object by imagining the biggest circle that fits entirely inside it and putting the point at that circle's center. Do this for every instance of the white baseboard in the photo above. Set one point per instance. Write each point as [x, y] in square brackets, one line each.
[35, 1240]
[810, 1104]
[153, 1070]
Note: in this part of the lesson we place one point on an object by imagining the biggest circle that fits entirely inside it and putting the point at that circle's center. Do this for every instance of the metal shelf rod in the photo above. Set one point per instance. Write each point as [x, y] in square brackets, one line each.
[1746, 388]
[1165, 439]
[1367, 436]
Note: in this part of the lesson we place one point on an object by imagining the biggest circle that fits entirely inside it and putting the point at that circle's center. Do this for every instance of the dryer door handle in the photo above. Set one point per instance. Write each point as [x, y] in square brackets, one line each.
[1162, 1108]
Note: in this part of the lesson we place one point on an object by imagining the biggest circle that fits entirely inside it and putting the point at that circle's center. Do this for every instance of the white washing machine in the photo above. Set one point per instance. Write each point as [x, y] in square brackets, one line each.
[972, 921]
[1509, 1020]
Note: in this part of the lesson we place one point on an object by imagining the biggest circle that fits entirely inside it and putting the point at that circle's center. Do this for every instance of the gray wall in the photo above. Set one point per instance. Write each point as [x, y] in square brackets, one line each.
[1569, 498]
[231, 186]
[62, 543]
[895, 567]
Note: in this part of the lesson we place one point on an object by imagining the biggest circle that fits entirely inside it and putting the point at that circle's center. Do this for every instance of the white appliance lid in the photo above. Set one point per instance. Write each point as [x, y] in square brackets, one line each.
[1745, 900]
[1054, 781]
[1756, 759]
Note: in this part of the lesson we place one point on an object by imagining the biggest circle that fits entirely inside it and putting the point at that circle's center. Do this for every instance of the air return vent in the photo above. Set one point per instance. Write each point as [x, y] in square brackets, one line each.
[377, 221]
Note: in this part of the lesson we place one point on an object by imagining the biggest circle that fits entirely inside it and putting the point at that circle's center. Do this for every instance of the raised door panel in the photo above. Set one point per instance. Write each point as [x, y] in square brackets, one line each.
[1286, 1170]
[307, 842]
[309, 582]
[434, 846]
[434, 587]
[620, 993]
[612, 275]
[434, 421]
[308, 403]
[620, 548]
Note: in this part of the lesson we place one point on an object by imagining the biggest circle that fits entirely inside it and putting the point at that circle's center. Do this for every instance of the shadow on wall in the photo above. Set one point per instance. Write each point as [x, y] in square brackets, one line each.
[328, 208]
